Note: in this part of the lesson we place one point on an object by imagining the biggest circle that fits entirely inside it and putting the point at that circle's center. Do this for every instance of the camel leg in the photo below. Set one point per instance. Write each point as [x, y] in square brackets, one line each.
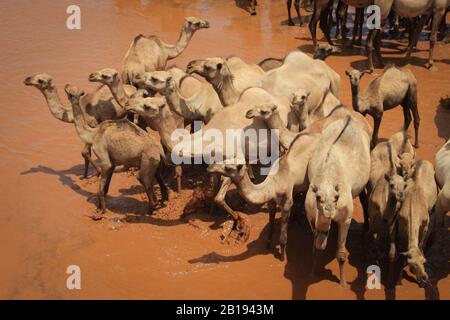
[377, 46]
[253, 7]
[406, 117]
[365, 205]
[316, 258]
[415, 35]
[437, 16]
[324, 25]
[105, 178]
[285, 213]
[146, 177]
[240, 224]
[369, 47]
[377, 121]
[392, 254]
[297, 9]
[178, 175]
[289, 5]
[342, 11]
[86, 154]
[340, 253]
[272, 212]
[313, 23]
[416, 117]
[357, 26]
[162, 187]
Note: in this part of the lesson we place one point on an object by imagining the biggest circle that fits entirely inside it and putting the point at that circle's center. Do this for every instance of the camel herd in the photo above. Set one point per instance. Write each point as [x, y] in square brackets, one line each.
[329, 154]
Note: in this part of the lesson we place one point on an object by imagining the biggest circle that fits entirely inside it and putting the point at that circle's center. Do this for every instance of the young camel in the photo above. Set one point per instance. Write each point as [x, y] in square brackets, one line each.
[442, 165]
[97, 106]
[119, 142]
[394, 87]
[149, 53]
[230, 118]
[338, 172]
[414, 218]
[110, 77]
[229, 77]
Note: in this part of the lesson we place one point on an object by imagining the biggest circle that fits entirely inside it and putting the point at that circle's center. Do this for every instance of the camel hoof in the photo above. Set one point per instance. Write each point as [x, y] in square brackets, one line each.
[97, 216]
[291, 23]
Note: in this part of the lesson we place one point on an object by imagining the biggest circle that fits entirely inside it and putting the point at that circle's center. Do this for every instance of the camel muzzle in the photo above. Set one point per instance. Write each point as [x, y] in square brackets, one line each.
[27, 81]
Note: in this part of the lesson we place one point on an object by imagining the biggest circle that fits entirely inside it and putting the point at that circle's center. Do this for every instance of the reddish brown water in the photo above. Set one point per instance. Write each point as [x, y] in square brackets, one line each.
[44, 223]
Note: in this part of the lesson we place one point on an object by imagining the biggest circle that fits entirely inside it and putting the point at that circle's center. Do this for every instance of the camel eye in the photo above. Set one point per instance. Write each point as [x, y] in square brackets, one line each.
[146, 107]
[41, 81]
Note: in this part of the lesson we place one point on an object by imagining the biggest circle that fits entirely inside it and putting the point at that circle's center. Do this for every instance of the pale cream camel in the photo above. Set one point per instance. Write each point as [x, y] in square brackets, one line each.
[442, 165]
[393, 88]
[338, 172]
[414, 218]
[229, 77]
[149, 53]
[119, 142]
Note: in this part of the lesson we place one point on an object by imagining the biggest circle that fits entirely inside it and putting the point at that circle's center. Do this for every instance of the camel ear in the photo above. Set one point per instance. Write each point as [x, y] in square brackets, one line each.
[337, 188]
[387, 177]
[347, 73]
[82, 93]
[308, 93]
[239, 167]
[219, 66]
[169, 78]
[314, 188]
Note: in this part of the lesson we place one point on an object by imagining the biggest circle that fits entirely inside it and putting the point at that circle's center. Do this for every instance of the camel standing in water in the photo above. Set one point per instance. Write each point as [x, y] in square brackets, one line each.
[149, 53]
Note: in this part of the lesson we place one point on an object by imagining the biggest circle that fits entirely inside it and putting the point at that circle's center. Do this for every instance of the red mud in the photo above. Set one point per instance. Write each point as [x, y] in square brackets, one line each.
[44, 223]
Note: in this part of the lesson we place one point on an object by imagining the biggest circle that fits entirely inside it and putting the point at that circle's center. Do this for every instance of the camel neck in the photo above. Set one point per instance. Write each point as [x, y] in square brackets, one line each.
[180, 105]
[356, 99]
[174, 51]
[285, 136]
[225, 88]
[57, 109]
[85, 132]
[118, 91]
[165, 124]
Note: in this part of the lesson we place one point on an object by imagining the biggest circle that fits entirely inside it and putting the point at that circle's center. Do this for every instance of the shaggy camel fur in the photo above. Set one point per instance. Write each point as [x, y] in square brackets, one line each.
[119, 142]
[97, 106]
[229, 118]
[413, 219]
[408, 9]
[338, 172]
[149, 53]
[229, 77]
[442, 164]
[393, 88]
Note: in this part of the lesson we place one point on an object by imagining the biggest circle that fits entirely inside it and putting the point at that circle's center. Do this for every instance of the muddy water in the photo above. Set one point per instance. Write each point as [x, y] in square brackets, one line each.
[44, 223]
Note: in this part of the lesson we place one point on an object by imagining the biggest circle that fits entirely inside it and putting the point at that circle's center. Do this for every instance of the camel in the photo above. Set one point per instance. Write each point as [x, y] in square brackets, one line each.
[196, 145]
[229, 77]
[187, 96]
[119, 142]
[394, 87]
[408, 9]
[338, 172]
[149, 53]
[359, 6]
[324, 50]
[156, 81]
[321, 11]
[414, 218]
[97, 106]
[300, 108]
[442, 165]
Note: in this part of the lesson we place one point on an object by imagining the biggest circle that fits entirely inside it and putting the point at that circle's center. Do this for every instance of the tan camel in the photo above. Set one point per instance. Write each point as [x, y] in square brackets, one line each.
[338, 172]
[442, 165]
[414, 218]
[229, 77]
[300, 107]
[149, 53]
[156, 81]
[97, 106]
[408, 9]
[229, 118]
[119, 142]
[324, 50]
[393, 88]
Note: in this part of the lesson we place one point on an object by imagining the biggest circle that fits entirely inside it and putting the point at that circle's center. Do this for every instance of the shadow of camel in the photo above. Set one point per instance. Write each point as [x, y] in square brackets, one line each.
[244, 5]
[442, 118]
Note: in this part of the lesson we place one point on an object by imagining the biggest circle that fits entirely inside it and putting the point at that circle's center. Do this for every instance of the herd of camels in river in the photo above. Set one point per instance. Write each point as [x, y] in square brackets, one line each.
[329, 154]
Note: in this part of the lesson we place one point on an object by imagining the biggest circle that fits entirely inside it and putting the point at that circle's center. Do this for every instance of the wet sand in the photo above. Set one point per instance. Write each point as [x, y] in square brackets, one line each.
[44, 223]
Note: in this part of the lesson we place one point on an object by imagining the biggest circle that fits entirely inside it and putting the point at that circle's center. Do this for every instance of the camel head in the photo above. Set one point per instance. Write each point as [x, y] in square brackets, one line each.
[41, 81]
[155, 80]
[397, 186]
[327, 197]
[210, 68]
[322, 51]
[263, 111]
[73, 93]
[231, 170]
[146, 107]
[356, 75]
[406, 164]
[299, 99]
[416, 262]
[106, 76]
[194, 24]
